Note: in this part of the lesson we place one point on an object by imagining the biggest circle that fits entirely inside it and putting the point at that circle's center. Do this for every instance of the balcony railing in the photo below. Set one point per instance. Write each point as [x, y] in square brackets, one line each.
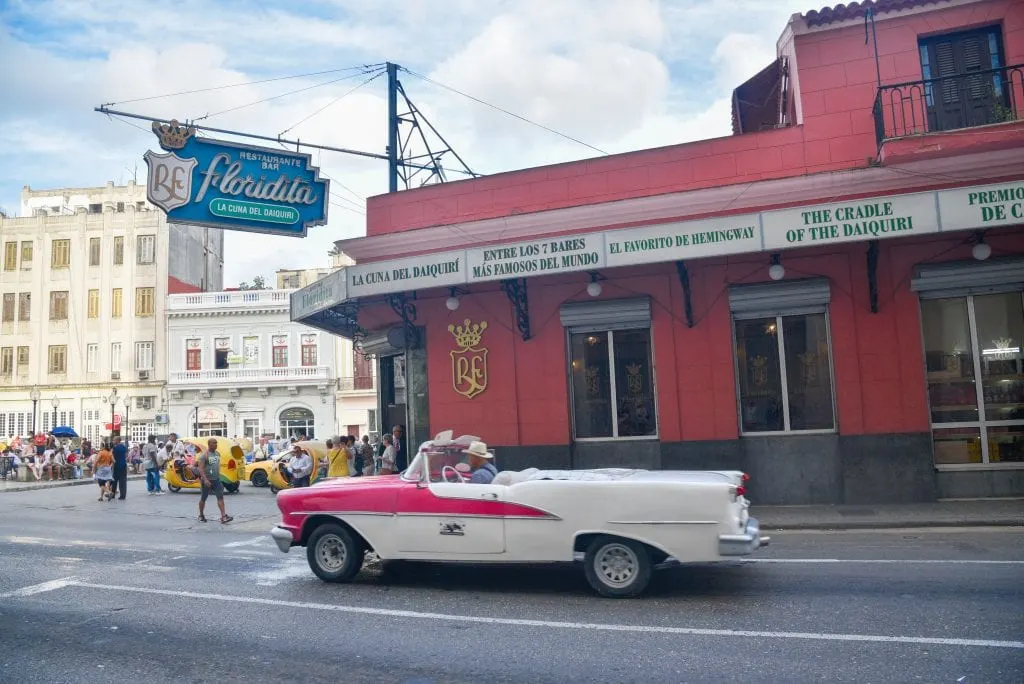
[358, 383]
[949, 103]
[232, 376]
[228, 300]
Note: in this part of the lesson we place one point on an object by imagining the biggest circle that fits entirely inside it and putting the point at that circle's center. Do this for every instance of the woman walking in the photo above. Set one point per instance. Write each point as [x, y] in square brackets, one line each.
[104, 472]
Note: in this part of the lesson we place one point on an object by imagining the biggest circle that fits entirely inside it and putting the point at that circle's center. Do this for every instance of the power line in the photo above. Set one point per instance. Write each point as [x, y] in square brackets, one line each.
[504, 111]
[333, 102]
[244, 83]
[276, 97]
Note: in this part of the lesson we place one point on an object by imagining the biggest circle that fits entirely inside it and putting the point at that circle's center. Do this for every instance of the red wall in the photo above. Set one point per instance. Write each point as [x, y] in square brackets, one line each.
[877, 358]
[836, 86]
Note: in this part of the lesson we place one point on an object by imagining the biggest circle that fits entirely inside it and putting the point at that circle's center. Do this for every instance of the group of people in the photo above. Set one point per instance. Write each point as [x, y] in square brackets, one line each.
[43, 456]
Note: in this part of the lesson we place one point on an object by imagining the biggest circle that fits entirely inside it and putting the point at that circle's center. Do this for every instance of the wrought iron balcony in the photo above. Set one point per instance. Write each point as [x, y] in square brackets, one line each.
[358, 383]
[949, 103]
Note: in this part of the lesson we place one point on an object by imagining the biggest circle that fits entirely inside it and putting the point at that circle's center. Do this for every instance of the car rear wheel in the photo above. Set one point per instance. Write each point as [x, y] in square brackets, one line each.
[334, 554]
[173, 488]
[617, 568]
[231, 488]
[259, 479]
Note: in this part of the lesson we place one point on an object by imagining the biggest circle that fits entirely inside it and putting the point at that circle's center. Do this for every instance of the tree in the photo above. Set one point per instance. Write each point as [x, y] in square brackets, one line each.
[257, 284]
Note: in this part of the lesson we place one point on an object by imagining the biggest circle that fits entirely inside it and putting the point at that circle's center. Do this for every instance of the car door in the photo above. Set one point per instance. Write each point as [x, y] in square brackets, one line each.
[455, 519]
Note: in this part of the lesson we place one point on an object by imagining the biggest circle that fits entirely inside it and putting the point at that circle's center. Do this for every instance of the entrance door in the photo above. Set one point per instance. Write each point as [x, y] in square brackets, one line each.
[965, 96]
[391, 374]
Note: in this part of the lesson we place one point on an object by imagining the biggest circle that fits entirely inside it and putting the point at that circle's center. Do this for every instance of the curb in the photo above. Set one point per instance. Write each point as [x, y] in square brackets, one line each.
[28, 487]
[893, 524]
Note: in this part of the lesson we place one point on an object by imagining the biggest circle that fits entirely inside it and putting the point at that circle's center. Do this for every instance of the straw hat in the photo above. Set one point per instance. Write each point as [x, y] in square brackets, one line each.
[478, 449]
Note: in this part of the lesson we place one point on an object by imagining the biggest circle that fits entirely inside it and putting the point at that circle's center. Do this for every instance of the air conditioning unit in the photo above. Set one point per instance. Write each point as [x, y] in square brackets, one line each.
[115, 375]
[144, 375]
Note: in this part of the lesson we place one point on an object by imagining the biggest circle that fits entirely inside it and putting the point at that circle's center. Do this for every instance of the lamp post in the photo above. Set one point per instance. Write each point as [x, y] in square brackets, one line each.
[34, 396]
[55, 402]
[231, 409]
[195, 422]
[127, 431]
[112, 400]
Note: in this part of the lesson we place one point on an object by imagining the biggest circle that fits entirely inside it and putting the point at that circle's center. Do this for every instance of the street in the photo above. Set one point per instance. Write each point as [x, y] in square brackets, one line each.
[140, 591]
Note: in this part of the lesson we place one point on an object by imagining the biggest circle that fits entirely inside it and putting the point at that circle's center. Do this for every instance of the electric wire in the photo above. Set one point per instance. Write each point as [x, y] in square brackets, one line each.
[244, 83]
[504, 111]
[277, 97]
[333, 102]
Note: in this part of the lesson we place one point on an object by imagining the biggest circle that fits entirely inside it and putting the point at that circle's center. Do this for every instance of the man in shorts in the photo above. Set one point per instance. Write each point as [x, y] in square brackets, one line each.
[208, 464]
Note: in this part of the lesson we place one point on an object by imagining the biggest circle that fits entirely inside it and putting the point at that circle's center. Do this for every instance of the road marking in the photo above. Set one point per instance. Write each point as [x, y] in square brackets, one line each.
[91, 543]
[248, 542]
[549, 624]
[40, 588]
[881, 561]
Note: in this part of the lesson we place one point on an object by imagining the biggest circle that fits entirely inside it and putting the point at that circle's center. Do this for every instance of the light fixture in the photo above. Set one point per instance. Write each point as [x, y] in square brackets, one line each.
[34, 395]
[452, 303]
[981, 250]
[776, 271]
[593, 287]
[55, 402]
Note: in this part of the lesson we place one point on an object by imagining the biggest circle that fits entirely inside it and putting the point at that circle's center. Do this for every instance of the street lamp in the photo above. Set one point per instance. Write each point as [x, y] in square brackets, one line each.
[34, 396]
[195, 422]
[231, 409]
[55, 402]
[127, 401]
[112, 400]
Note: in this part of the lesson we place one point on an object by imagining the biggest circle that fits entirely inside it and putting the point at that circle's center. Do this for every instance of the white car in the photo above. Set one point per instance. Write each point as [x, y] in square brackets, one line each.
[622, 524]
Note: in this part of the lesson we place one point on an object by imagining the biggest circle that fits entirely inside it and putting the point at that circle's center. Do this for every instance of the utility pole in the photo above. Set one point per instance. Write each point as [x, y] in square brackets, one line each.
[392, 150]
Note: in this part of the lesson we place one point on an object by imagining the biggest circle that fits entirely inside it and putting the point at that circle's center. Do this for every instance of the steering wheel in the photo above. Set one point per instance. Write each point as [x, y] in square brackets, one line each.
[444, 475]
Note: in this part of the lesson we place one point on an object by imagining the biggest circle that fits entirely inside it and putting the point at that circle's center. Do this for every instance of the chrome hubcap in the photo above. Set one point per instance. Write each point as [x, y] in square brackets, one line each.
[331, 552]
[616, 564]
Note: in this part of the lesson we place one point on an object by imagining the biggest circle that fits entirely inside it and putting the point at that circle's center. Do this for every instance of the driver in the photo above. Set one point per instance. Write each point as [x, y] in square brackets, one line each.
[480, 461]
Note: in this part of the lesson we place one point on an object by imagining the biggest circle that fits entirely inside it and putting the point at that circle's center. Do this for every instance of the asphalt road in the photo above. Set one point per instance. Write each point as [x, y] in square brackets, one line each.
[140, 591]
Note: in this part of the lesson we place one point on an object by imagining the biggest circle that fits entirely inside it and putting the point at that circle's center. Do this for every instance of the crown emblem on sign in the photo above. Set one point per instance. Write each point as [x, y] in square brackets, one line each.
[468, 334]
[173, 136]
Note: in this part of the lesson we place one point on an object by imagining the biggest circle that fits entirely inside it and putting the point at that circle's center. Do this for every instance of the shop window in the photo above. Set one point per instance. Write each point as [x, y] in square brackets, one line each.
[975, 376]
[783, 358]
[610, 365]
[94, 251]
[25, 306]
[60, 254]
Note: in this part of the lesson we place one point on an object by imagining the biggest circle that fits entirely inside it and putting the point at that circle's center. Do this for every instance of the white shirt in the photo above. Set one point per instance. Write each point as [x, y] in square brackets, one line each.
[301, 465]
[178, 449]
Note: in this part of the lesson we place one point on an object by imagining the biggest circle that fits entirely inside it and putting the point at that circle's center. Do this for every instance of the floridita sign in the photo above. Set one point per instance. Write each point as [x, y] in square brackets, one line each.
[870, 218]
[227, 185]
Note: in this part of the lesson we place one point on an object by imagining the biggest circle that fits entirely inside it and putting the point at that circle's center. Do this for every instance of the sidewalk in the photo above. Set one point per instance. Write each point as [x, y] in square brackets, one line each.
[12, 486]
[973, 513]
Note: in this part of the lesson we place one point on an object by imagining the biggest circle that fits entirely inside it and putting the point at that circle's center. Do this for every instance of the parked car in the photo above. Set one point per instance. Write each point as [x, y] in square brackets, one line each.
[621, 523]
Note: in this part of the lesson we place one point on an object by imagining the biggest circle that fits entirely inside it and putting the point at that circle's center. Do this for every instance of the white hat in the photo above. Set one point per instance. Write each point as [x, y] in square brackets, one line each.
[478, 449]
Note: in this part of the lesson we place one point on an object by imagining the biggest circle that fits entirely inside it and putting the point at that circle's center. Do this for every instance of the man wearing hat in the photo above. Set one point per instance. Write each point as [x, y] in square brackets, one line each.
[480, 461]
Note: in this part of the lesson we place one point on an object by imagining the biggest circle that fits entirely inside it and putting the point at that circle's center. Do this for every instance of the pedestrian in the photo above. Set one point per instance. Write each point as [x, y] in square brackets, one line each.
[387, 459]
[261, 453]
[135, 458]
[366, 450]
[398, 440]
[209, 472]
[103, 472]
[151, 461]
[300, 466]
[355, 456]
[120, 486]
[337, 460]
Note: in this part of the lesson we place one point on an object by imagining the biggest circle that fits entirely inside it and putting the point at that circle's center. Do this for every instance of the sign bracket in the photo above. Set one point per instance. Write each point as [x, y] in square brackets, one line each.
[403, 306]
[515, 290]
[684, 280]
[873, 275]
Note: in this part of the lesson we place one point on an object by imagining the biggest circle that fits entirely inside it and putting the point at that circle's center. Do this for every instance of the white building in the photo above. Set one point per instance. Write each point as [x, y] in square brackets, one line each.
[236, 365]
[84, 281]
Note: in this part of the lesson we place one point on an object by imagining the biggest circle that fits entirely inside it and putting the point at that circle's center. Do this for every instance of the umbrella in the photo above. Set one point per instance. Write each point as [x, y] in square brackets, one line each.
[64, 431]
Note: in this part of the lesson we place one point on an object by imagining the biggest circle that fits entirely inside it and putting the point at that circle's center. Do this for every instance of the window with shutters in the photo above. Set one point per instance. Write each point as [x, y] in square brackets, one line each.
[59, 306]
[25, 306]
[965, 84]
[115, 357]
[115, 303]
[23, 359]
[26, 255]
[60, 254]
[143, 301]
[118, 250]
[58, 358]
[143, 356]
[145, 250]
[10, 256]
[92, 352]
[6, 361]
[8, 313]
[94, 304]
[94, 251]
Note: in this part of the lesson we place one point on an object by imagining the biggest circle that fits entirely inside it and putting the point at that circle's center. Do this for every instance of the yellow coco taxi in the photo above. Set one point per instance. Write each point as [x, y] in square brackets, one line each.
[258, 472]
[232, 465]
[280, 478]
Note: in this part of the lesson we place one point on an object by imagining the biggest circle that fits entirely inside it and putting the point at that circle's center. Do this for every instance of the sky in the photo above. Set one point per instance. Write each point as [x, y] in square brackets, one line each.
[618, 75]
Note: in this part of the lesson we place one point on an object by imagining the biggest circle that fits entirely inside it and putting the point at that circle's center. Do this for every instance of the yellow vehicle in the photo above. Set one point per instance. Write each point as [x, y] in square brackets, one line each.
[280, 478]
[258, 472]
[232, 466]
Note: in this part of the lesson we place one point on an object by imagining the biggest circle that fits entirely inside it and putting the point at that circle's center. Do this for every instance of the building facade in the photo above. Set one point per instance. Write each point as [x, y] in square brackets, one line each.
[237, 366]
[830, 299]
[84, 281]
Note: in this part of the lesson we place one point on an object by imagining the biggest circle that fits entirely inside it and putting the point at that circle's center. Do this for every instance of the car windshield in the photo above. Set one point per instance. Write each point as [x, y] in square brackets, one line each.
[435, 455]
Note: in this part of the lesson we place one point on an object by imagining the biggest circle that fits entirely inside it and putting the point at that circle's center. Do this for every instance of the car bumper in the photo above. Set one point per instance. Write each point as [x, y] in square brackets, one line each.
[283, 538]
[742, 544]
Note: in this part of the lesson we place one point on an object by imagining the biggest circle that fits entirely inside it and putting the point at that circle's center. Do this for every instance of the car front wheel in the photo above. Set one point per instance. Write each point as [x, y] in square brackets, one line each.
[334, 554]
[259, 479]
[617, 568]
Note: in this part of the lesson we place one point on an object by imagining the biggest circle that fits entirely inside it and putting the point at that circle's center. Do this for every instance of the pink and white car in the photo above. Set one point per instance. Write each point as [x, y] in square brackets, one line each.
[622, 524]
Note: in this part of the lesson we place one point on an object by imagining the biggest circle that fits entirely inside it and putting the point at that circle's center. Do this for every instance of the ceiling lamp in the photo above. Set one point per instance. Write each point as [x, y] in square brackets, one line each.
[776, 271]
[593, 287]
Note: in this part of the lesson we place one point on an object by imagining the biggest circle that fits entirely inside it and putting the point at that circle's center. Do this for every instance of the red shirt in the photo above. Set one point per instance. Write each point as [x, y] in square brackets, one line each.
[39, 440]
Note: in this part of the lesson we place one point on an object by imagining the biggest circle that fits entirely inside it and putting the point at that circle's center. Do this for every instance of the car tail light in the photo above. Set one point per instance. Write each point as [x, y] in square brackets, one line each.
[741, 490]
[231, 463]
[746, 478]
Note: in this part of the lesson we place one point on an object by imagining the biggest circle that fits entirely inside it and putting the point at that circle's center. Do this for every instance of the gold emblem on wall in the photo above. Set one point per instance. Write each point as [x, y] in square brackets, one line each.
[469, 361]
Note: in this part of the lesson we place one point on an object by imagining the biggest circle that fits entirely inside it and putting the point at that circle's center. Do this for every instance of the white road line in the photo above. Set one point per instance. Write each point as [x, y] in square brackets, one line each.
[40, 588]
[248, 542]
[881, 561]
[549, 624]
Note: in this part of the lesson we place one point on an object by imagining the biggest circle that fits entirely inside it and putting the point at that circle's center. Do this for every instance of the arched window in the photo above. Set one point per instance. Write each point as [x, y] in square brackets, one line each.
[297, 421]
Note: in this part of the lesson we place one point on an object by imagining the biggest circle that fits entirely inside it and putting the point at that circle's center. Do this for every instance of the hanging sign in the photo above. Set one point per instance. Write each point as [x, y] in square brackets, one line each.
[684, 240]
[441, 269]
[542, 257]
[221, 184]
[984, 206]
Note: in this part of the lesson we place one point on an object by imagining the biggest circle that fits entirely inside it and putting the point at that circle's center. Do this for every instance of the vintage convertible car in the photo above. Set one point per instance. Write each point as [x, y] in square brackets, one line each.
[621, 523]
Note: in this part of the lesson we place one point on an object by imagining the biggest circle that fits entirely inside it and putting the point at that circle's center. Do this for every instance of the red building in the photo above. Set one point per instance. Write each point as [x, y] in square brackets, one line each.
[830, 299]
